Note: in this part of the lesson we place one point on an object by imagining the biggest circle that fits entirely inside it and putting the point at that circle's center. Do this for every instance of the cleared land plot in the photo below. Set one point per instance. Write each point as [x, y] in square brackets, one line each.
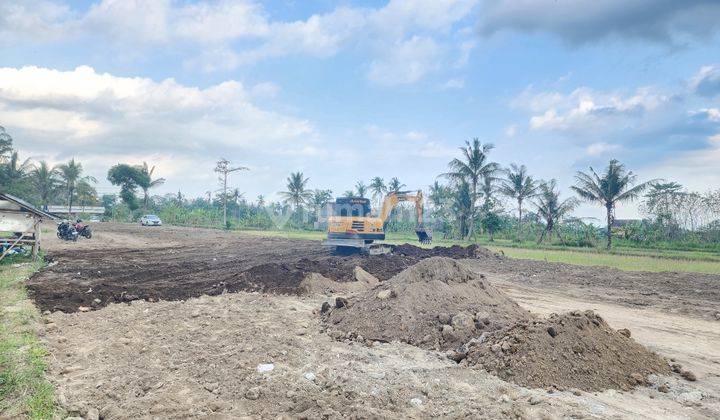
[126, 262]
[189, 357]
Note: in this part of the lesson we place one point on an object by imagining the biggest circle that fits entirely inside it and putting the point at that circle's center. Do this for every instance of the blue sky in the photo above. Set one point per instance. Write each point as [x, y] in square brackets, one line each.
[345, 91]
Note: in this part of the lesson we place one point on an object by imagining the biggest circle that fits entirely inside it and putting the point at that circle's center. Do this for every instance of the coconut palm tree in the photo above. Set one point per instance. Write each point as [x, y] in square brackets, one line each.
[45, 180]
[71, 173]
[615, 185]
[361, 189]
[146, 182]
[261, 200]
[15, 172]
[462, 206]
[320, 199]
[438, 196]
[5, 144]
[395, 185]
[520, 186]
[86, 193]
[378, 188]
[349, 193]
[473, 168]
[296, 193]
[551, 208]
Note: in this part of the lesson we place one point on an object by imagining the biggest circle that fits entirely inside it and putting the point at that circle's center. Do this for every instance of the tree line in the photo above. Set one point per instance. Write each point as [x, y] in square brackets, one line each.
[41, 183]
[474, 197]
[471, 202]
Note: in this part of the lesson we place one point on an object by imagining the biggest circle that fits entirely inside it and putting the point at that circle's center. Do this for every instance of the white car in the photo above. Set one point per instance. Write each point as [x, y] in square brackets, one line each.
[150, 220]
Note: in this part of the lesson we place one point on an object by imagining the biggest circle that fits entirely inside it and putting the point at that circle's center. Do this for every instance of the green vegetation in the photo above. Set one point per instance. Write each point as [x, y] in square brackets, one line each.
[24, 391]
[475, 200]
[623, 262]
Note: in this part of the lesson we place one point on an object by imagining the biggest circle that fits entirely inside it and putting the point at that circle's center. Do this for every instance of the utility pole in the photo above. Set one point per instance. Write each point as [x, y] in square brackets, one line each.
[223, 168]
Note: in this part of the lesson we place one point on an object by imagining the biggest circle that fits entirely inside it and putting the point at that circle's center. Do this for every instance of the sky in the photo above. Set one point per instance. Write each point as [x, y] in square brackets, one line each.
[344, 91]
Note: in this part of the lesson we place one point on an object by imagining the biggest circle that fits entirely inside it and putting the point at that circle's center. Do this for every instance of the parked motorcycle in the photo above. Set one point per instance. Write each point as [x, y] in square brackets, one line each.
[66, 231]
[83, 229]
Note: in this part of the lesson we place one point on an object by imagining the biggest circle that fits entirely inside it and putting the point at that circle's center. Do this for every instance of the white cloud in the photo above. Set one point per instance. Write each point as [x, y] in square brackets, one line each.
[406, 62]
[707, 81]
[102, 114]
[585, 108]
[454, 84]
[38, 20]
[601, 148]
[511, 130]
[225, 34]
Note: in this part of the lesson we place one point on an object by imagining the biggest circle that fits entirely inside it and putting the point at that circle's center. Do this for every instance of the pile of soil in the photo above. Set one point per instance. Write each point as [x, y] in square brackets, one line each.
[454, 251]
[436, 304]
[574, 350]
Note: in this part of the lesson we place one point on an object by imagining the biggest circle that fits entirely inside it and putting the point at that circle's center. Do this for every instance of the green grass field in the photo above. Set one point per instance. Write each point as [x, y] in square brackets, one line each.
[629, 259]
[24, 391]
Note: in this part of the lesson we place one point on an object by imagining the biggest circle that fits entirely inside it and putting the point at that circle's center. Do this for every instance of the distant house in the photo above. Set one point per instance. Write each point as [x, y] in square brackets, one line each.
[21, 221]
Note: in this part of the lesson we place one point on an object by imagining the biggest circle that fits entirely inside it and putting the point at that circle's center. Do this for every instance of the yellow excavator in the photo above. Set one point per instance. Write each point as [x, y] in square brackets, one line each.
[353, 227]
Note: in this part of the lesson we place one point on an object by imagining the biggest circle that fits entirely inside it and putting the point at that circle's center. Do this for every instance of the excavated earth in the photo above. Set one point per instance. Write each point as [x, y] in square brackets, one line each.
[440, 304]
[574, 350]
[437, 304]
[170, 263]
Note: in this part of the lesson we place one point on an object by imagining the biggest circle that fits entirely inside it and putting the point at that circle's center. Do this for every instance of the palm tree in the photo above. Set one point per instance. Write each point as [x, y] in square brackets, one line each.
[15, 171]
[520, 186]
[361, 189]
[438, 195]
[45, 180]
[5, 144]
[86, 193]
[551, 208]
[462, 206]
[70, 173]
[614, 186]
[473, 168]
[261, 200]
[146, 182]
[236, 195]
[320, 199]
[378, 188]
[349, 193]
[395, 185]
[296, 190]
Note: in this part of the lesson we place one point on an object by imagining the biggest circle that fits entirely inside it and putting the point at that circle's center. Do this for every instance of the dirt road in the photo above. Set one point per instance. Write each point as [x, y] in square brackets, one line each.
[211, 355]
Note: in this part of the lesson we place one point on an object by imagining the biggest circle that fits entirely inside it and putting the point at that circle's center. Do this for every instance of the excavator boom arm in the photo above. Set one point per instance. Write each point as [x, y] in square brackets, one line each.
[394, 198]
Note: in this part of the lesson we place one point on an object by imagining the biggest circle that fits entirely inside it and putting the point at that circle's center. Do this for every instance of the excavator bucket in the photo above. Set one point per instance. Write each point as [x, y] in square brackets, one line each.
[424, 235]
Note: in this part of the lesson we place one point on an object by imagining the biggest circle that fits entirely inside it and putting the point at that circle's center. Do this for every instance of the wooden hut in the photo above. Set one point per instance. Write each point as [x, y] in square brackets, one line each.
[20, 221]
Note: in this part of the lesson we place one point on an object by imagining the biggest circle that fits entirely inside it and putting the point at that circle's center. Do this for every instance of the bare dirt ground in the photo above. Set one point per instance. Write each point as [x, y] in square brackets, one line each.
[210, 356]
[122, 263]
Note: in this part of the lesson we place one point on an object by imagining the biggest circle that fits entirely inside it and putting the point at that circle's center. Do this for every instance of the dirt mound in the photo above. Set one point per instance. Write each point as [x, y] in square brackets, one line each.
[454, 251]
[315, 283]
[573, 350]
[437, 303]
